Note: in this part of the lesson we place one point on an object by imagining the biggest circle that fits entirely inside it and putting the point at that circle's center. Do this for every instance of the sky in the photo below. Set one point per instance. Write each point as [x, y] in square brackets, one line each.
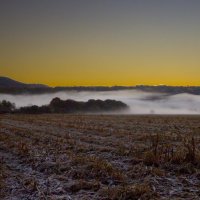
[100, 42]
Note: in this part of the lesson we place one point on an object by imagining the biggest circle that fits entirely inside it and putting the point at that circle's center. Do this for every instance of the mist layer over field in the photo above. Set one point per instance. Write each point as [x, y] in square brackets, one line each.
[139, 102]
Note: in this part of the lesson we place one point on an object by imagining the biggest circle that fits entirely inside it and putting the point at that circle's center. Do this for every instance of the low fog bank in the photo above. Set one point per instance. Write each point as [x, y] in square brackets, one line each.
[138, 101]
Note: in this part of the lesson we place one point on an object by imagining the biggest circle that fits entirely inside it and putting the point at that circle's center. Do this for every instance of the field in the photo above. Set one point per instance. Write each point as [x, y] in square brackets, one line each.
[99, 157]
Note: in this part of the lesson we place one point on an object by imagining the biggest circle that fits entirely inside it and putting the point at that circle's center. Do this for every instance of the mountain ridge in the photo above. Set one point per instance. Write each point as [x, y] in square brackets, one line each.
[6, 82]
[10, 86]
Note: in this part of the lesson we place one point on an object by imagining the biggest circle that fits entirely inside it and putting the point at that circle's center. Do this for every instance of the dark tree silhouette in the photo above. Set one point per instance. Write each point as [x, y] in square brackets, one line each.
[70, 106]
[6, 106]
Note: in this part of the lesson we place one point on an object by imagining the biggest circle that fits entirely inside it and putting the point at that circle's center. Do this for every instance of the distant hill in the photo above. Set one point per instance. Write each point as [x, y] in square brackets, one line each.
[7, 83]
[10, 86]
[170, 89]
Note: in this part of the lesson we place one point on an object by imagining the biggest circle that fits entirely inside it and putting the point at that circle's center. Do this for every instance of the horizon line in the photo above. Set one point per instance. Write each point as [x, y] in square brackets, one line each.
[109, 86]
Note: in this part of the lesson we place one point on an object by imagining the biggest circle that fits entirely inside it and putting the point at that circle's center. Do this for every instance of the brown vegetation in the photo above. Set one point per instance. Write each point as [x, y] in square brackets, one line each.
[99, 157]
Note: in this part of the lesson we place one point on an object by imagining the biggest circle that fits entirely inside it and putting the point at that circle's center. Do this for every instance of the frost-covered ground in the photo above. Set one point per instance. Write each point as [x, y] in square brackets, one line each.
[99, 157]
